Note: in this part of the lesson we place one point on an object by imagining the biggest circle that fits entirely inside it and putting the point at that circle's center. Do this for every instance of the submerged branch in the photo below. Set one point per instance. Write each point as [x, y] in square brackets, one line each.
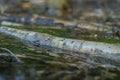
[12, 54]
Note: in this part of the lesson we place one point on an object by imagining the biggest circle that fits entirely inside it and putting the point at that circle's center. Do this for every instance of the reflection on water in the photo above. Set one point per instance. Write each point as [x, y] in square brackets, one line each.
[33, 69]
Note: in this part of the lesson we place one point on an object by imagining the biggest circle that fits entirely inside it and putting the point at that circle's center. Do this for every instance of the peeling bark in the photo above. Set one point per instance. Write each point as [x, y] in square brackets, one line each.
[97, 52]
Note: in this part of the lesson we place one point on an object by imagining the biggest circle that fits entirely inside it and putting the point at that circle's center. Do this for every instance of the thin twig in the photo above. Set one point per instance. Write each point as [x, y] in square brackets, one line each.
[12, 54]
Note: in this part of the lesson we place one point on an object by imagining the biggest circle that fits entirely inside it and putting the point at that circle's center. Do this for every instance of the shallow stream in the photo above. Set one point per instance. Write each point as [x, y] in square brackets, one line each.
[39, 68]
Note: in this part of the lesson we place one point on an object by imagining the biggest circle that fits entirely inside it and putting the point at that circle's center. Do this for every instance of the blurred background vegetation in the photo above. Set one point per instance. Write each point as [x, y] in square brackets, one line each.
[100, 11]
[67, 9]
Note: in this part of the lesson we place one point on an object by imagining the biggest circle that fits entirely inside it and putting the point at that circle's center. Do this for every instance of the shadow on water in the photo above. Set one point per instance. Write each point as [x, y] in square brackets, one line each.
[38, 69]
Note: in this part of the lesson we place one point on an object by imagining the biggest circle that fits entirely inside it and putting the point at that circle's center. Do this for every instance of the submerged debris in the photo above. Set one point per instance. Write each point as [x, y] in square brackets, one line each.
[10, 54]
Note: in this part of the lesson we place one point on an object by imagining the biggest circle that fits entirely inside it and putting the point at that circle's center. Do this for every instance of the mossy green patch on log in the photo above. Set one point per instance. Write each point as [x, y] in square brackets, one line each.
[52, 30]
[108, 40]
[61, 32]
[15, 45]
[111, 41]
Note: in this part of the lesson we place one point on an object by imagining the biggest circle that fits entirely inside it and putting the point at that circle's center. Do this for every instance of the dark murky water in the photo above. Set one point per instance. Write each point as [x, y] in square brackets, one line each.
[38, 69]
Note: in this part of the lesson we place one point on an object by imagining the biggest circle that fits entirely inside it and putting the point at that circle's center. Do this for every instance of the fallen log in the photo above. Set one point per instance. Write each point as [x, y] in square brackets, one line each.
[92, 52]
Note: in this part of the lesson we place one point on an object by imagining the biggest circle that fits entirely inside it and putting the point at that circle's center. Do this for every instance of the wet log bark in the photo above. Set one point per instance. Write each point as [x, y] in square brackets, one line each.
[97, 52]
